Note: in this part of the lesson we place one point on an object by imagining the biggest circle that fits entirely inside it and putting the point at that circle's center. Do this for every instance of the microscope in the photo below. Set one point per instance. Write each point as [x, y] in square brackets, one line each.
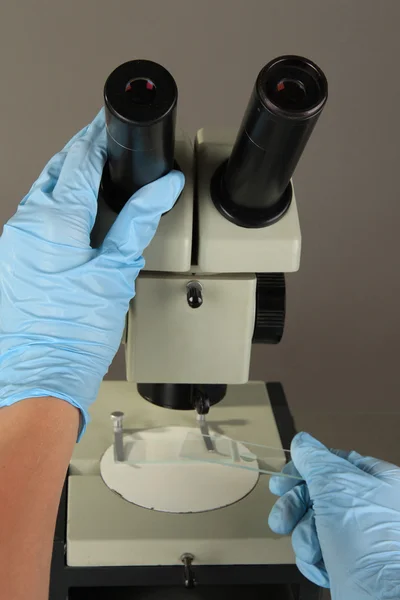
[167, 493]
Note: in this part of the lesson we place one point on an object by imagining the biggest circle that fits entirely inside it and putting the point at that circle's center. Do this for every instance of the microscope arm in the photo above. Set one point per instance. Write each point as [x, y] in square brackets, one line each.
[37, 437]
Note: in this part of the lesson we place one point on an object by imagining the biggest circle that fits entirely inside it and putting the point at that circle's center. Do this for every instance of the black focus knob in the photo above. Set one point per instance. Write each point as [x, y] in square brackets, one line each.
[270, 308]
[194, 294]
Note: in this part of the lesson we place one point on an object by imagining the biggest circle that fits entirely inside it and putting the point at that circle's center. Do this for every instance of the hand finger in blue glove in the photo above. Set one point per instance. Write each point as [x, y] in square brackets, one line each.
[67, 196]
[80, 175]
[49, 176]
[136, 224]
[315, 573]
[308, 455]
[378, 468]
[289, 510]
[305, 539]
[279, 485]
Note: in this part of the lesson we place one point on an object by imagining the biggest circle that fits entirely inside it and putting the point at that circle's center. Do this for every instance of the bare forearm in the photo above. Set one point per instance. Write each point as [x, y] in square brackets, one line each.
[37, 437]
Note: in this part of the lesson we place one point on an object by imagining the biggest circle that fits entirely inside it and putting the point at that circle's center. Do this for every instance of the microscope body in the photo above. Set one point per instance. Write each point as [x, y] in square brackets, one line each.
[168, 341]
[213, 284]
[170, 344]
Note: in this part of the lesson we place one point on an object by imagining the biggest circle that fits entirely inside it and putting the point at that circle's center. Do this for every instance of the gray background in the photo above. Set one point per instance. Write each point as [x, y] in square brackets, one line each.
[340, 356]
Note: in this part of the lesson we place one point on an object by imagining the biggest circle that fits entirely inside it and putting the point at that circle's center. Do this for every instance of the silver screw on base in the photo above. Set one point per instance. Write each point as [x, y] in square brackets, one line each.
[117, 419]
[189, 577]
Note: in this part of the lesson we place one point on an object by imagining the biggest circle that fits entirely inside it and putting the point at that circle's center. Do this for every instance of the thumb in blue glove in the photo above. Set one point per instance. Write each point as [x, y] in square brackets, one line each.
[344, 519]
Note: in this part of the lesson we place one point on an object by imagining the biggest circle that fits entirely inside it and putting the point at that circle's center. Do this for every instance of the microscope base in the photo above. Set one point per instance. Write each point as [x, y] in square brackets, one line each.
[103, 541]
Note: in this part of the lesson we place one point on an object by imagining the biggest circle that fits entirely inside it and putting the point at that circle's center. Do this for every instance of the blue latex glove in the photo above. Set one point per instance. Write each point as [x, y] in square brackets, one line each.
[344, 520]
[62, 303]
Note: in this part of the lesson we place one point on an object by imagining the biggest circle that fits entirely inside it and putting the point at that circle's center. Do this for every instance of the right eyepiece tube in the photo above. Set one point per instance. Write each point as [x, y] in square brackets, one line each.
[253, 188]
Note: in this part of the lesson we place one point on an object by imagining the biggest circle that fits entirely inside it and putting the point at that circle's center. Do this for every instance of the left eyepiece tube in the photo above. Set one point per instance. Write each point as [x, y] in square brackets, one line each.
[140, 99]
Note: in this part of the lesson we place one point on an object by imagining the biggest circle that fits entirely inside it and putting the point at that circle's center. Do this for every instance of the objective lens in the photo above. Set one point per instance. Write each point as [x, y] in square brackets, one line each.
[141, 90]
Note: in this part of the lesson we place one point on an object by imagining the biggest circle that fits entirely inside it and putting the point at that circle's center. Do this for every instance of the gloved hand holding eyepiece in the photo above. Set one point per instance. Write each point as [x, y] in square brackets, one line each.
[63, 303]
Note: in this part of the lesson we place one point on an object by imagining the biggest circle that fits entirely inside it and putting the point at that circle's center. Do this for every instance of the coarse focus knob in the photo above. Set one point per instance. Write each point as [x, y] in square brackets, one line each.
[270, 308]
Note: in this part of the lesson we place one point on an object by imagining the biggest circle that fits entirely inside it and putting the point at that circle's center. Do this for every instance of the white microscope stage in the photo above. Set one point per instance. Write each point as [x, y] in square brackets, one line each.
[103, 529]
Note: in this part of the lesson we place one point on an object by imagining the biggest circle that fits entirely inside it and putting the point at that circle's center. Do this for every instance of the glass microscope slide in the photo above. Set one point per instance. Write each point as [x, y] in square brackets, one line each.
[234, 453]
[200, 448]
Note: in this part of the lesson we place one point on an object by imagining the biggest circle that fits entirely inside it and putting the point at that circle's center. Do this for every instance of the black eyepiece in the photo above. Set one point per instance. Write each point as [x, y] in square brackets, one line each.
[253, 189]
[292, 87]
[140, 100]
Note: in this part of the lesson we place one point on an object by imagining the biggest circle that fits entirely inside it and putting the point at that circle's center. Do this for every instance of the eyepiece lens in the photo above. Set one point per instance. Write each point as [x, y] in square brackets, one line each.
[292, 85]
[289, 93]
[141, 90]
